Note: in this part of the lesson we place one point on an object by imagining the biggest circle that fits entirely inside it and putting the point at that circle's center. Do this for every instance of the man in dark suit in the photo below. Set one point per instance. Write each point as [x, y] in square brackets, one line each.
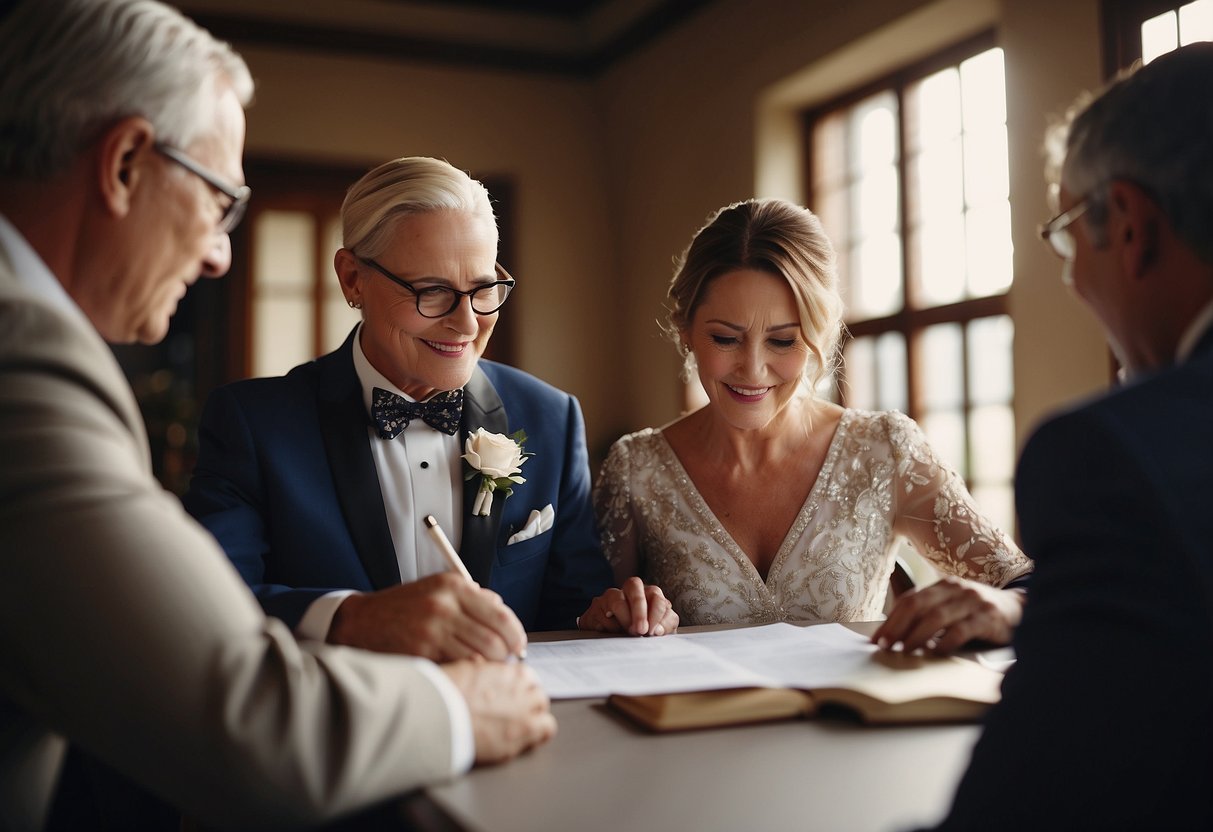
[1107, 717]
[316, 484]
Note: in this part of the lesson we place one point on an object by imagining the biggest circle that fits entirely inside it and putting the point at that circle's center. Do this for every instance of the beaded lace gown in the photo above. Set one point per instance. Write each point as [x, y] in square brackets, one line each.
[880, 481]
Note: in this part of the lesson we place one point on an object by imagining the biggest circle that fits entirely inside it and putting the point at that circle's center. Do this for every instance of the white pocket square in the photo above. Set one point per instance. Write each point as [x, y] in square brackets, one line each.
[539, 521]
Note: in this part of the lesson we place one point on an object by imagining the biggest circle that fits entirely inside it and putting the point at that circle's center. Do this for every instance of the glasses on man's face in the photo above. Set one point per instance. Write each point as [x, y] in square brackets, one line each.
[238, 197]
[1056, 232]
[440, 301]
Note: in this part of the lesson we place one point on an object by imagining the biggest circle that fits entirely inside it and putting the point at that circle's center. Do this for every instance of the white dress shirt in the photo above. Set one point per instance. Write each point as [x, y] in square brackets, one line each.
[419, 474]
[33, 273]
[1192, 335]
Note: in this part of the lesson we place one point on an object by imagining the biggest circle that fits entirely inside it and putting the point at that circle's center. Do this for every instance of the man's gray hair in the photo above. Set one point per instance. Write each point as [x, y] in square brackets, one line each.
[69, 69]
[1152, 126]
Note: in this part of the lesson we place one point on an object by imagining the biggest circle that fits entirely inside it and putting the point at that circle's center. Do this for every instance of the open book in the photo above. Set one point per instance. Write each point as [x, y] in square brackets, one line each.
[756, 674]
[896, 688]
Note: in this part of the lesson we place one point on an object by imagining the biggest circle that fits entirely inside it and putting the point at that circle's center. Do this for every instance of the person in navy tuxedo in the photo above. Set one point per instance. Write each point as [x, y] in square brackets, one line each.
[316, 484]
[1106, 720]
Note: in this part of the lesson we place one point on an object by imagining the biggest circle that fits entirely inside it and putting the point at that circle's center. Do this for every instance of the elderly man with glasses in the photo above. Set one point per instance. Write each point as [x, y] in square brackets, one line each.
[1107, 718]
[324, 486]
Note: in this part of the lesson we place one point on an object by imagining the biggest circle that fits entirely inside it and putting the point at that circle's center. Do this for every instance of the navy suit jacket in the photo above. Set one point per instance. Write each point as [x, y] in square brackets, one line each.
[286, 482]
[1106, 720]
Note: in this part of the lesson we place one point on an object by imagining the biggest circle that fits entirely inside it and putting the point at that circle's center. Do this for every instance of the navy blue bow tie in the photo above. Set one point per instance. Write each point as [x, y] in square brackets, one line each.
[393, 413]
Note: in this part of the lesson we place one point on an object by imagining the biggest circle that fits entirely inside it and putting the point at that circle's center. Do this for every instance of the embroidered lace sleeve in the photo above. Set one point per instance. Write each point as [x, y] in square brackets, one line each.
[613, 508]
[940, 518]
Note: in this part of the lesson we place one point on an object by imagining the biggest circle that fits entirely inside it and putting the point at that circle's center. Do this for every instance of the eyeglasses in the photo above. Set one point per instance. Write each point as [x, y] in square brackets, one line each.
[1056, 232]
[440, 301]
[238, 196]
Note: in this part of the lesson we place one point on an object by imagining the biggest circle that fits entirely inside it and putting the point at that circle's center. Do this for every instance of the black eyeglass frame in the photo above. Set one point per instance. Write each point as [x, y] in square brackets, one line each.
[457, 295]
[239, 195]
[1056, 232]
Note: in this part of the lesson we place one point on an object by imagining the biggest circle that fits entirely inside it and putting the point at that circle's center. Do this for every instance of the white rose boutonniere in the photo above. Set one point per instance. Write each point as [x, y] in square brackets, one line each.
[498, 461]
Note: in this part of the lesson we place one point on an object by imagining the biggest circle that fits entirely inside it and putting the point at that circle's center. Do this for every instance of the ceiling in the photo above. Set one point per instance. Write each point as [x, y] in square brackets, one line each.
[564, 37]
[558, 8]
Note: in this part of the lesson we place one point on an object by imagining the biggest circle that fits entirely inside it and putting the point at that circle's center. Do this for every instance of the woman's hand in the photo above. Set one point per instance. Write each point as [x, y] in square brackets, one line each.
[634, 609]
[943, 617]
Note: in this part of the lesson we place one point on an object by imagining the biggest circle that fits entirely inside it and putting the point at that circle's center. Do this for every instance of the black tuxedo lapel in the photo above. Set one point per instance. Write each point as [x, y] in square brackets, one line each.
[343, 424]
[482, 408]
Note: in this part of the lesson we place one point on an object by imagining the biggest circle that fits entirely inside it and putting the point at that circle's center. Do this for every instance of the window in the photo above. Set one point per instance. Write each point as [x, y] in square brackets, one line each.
[1144, 29]
[910, 179]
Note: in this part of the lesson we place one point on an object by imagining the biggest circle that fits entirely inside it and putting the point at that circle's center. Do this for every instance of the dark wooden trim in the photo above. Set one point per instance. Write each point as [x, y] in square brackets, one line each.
[242, 29]
[910, 320]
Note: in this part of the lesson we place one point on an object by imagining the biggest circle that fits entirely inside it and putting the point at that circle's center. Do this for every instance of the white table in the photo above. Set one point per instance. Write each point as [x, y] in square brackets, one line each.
[602, 773]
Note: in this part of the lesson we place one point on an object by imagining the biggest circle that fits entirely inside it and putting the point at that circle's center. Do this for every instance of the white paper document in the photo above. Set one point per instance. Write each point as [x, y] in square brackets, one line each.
[773, 655]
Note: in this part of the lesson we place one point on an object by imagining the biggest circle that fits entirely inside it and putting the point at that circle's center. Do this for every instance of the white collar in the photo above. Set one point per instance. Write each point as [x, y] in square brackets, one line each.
[32, 272]
[1195, 331]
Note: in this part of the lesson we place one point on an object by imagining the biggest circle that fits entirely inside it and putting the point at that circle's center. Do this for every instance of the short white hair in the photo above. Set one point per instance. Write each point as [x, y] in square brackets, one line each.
[404, 187]
[71, 68]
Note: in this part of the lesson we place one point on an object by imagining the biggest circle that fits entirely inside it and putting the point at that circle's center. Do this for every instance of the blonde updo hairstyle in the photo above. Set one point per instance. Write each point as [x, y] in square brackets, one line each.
[772, 236]
[405, 187]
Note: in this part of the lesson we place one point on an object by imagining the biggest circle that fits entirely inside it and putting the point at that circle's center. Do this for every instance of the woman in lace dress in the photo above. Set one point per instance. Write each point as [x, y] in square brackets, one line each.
[769, 504]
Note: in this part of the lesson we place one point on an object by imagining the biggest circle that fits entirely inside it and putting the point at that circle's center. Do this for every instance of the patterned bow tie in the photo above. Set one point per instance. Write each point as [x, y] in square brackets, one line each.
[392, 413]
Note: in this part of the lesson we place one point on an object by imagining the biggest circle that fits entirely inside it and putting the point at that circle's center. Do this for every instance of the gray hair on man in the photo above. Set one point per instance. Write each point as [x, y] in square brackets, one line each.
[1101, 139]
[70, 68]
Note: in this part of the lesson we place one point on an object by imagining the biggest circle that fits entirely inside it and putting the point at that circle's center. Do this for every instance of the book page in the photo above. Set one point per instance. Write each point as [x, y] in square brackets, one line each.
[773, 655]
[602, 666]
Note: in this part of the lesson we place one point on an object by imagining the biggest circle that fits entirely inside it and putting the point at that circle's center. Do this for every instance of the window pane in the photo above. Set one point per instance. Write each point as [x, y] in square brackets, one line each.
[940, 262]
[874, 373]
[1196, 22]
[988, 249]
[891, 389]
[859, 373]
[284, 251]
[985, 166]
[938, 181]
[874, 133]
[990, 343]
[939, 366]
[997, 502]
[875, 277]
[992, 440]
[875, 202]
[282, 334]
[933, 110]
[1159, 35]
[983, 91]
[945, 431]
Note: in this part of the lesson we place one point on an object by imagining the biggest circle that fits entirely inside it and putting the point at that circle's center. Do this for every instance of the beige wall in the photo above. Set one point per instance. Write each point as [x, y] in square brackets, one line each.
[614, 174]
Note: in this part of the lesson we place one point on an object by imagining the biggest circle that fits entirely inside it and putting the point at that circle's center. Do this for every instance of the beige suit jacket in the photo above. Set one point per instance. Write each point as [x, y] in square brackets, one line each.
[125, 629]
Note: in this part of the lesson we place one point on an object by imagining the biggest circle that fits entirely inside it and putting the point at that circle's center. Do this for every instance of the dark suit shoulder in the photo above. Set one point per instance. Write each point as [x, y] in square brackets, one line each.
[272, 391]
[510, 380]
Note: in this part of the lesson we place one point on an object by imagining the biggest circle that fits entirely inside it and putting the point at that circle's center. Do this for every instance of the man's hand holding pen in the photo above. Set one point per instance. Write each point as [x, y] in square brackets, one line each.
[441, 617]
